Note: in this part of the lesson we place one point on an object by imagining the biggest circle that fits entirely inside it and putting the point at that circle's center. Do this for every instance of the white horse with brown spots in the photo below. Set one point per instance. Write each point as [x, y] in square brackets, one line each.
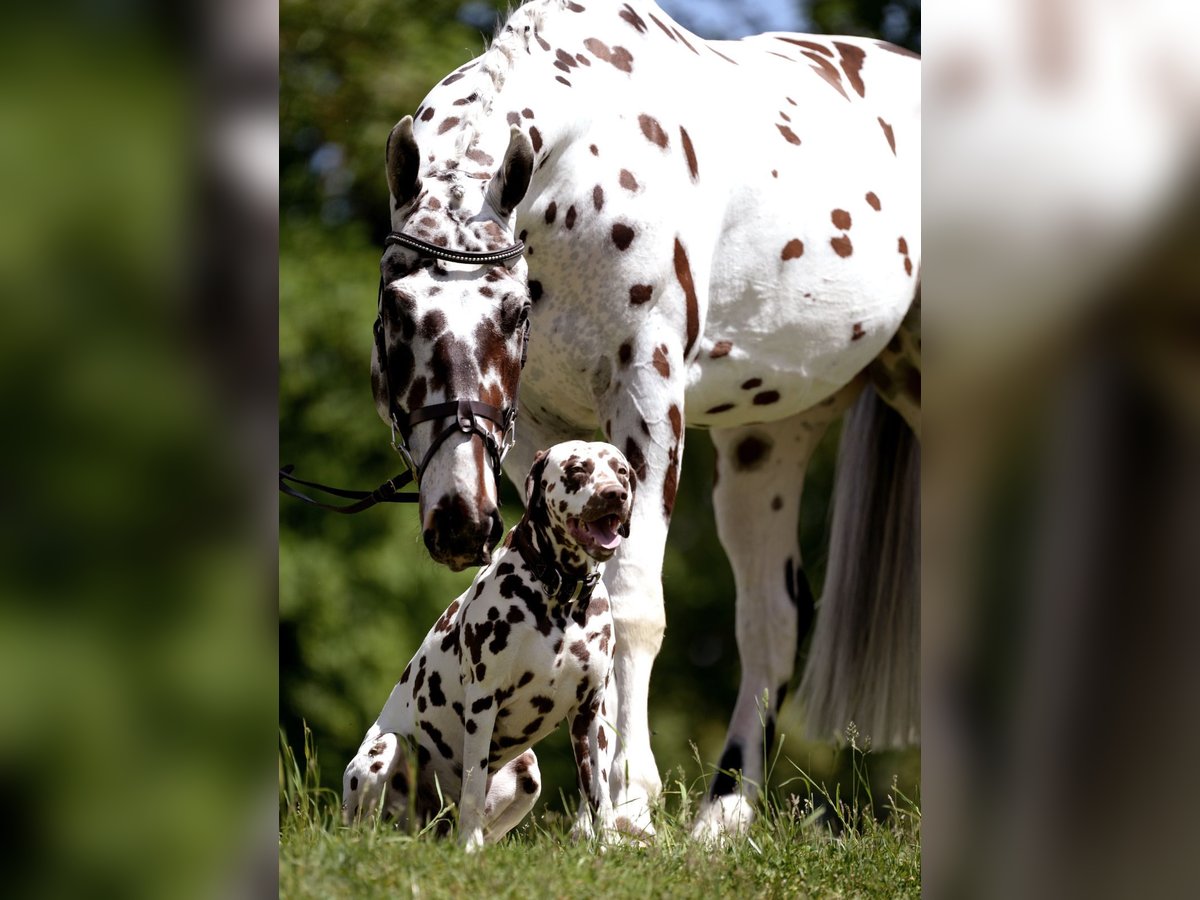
[725, 234]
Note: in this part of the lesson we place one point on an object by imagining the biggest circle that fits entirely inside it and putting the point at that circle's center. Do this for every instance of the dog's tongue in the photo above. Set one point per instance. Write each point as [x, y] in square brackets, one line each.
[604, 531]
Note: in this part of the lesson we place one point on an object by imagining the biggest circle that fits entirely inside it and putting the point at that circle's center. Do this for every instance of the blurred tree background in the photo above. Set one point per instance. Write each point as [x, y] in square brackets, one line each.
[357, 594]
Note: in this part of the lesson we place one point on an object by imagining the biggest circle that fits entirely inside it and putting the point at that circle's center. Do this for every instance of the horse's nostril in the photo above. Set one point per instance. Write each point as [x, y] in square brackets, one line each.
[497, 529]
[430, 537]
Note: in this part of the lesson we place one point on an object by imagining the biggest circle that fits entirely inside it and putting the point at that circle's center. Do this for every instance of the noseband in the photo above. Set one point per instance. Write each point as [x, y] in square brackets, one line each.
[464, 414]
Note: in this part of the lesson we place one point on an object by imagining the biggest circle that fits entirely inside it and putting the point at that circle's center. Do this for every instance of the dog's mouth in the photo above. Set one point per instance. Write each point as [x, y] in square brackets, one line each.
[600, 537]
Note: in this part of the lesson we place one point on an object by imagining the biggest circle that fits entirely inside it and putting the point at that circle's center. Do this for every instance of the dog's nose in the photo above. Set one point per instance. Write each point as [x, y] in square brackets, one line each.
[613, 492]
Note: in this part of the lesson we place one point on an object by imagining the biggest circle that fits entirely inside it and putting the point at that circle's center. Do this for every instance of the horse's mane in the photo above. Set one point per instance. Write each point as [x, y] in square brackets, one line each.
[500, 55]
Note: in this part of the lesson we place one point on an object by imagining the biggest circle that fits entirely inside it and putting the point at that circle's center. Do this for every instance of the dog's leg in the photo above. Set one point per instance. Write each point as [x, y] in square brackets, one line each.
[512, 792]
[478, 723]
[756, 497]
[380, 767]
[591, 765]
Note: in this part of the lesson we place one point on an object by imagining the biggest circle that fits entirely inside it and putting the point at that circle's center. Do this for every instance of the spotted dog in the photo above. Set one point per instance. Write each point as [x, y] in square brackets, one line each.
[530, 643]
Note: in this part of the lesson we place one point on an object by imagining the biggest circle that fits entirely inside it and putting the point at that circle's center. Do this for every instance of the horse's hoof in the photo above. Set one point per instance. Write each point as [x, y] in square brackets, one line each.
[723, 819]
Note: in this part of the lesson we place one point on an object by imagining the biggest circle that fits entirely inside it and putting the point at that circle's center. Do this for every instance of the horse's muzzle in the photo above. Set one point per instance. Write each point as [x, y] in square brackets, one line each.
[460, 537]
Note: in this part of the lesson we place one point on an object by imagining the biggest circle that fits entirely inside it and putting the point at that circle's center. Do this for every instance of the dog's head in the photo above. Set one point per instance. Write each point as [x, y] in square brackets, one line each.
[580, 494]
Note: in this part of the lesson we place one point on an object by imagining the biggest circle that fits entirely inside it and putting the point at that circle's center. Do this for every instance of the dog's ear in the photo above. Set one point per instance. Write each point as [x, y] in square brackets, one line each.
[631, 485]
[534, 498]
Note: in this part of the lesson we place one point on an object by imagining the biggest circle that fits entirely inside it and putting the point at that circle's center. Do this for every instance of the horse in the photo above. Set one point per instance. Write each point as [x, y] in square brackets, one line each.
[610, 223]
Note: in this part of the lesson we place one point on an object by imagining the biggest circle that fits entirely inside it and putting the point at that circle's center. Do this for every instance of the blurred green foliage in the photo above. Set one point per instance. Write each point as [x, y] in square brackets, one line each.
[357, 594]
[136, 669]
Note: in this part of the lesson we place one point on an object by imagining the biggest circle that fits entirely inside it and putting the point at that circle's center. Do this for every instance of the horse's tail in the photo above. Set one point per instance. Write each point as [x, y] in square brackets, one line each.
[863, 664]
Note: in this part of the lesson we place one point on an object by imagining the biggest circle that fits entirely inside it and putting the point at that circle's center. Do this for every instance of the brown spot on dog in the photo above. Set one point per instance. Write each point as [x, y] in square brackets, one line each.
[902, 246]
[514, 118]
[788, 134]
[841, 219]
[625, 353]
[690, 152]
[907, 266]
[598, 197]
[640, 293]
[535, 138]
[660, 361]
[628, 181]
[595, 150]
[447, 124]
[719, 408]
[842, 246]
[873, 201]
[653, 131]
[851, 58]
[857, 332]
[551, 212]
[776, 503]
[683, 271]
[563, 80]
[766, 398]
[793, 249]
[751, 383]
[719, 349]
[888, 133]
[622, 235]
[751, 452]
[569, 219]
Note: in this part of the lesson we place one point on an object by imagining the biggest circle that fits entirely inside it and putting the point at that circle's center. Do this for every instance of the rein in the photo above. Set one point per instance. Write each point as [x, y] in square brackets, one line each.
[466, 413]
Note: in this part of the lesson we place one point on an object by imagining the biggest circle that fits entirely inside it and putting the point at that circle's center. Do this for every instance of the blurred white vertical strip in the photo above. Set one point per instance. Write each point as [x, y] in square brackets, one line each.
[1061, 141]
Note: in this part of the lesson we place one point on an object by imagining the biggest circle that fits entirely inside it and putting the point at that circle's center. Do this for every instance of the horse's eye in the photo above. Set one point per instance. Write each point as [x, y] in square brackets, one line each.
[523, 316]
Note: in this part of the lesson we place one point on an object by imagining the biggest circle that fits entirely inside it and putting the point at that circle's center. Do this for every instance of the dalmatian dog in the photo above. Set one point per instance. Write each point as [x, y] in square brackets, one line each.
[529, 644]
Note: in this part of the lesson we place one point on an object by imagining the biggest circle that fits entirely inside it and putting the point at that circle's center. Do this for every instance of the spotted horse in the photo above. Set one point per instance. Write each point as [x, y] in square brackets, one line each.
[676, 231]
[526, 646]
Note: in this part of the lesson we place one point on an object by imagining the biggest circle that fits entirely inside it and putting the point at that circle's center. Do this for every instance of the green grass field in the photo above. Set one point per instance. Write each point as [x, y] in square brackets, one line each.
[806, 842]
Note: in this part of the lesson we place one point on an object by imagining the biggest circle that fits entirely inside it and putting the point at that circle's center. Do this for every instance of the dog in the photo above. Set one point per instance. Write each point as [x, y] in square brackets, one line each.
[529, 644]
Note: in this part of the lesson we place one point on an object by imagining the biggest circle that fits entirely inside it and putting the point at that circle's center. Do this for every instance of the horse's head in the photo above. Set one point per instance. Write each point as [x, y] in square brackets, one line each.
[451, 334]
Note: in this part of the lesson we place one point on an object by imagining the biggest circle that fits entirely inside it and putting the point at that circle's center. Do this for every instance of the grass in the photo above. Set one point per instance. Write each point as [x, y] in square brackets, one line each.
[804, 842]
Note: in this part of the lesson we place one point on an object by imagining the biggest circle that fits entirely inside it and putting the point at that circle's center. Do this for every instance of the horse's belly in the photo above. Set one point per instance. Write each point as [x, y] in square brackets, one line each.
[771, 366]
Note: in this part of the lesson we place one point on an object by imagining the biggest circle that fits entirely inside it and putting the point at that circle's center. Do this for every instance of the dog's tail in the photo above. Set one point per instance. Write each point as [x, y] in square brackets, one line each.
[863, 664]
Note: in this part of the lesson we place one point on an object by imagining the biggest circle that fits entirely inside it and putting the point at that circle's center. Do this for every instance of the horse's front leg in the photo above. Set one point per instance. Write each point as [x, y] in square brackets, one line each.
[642, 414]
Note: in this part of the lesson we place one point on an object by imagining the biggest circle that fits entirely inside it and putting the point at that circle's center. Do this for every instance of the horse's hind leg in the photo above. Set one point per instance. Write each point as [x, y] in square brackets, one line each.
[756, 496]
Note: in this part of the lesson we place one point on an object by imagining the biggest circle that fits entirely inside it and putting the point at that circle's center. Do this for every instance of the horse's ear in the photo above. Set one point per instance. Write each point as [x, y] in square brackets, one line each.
[403, 162]
[533, 483]
[509, 185]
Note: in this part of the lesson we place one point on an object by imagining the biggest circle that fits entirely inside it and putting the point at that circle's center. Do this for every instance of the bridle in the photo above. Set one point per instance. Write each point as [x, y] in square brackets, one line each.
[464, 414]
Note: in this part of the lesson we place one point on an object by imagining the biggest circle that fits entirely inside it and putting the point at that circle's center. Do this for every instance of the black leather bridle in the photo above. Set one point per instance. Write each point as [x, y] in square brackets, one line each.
[466, 413]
